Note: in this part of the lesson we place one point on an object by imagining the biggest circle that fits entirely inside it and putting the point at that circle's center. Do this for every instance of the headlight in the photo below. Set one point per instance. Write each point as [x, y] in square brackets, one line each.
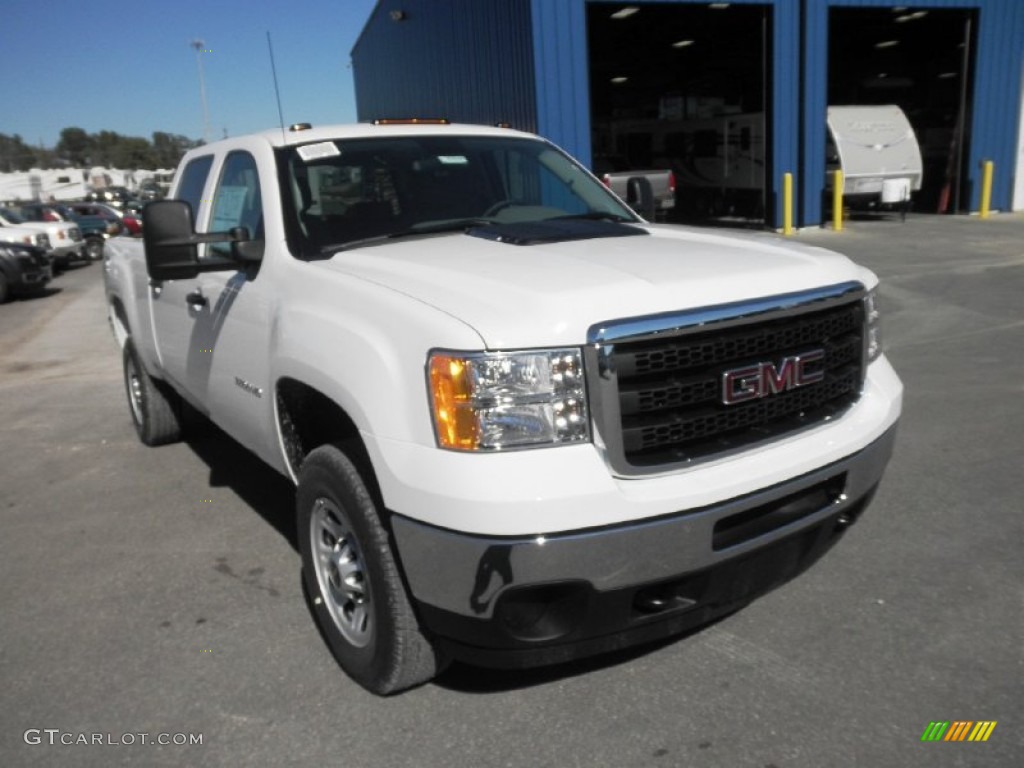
[492, 401]
[872, 326]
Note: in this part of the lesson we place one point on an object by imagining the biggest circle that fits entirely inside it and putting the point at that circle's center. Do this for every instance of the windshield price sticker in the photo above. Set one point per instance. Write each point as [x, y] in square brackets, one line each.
[311, 152]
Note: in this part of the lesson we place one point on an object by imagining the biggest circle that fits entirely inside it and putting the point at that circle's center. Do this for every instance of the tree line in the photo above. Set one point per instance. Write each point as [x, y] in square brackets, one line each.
[78, 148]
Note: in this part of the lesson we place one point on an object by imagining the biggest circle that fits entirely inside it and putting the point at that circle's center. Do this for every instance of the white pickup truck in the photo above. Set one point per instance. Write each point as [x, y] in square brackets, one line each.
[65, 242]
[525, 425]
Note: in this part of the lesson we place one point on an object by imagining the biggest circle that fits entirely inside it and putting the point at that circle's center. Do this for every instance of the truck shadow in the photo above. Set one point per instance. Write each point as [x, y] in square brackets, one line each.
[269, 494]
[465, 678]
[45, 293]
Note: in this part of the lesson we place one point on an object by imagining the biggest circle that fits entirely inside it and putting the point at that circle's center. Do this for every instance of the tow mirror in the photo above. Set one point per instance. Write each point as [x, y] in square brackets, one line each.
[168, 236]
[171, 244]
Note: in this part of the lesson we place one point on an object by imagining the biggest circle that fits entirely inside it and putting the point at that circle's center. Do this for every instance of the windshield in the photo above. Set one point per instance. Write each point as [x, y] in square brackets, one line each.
[347, 191]
[12, 217]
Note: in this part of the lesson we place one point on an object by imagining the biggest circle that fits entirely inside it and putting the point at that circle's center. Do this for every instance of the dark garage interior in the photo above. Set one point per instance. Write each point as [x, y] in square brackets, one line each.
[685, 87]
[922, 61]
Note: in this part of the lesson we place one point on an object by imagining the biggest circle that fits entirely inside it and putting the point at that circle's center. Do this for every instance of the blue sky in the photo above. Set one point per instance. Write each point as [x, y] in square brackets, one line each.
[129, 67]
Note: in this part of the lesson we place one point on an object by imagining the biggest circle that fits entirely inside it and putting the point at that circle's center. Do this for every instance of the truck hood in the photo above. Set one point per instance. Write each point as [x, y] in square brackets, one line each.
[550, 294]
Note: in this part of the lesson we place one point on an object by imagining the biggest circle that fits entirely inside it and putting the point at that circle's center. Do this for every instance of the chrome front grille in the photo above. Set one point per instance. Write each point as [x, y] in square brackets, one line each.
[658, 395]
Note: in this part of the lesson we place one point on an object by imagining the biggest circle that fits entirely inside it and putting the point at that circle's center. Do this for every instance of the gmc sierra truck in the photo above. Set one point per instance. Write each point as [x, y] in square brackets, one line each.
[524, 424]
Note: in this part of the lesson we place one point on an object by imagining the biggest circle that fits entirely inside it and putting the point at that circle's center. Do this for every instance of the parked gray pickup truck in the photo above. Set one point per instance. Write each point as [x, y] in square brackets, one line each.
[651, 193]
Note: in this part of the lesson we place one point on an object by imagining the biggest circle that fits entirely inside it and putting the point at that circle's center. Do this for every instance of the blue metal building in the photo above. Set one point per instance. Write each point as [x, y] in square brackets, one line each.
[526, 63]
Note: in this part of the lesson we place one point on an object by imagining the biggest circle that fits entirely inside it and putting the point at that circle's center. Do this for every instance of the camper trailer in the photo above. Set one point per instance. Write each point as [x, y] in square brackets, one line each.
[877, 151]
[720, 163]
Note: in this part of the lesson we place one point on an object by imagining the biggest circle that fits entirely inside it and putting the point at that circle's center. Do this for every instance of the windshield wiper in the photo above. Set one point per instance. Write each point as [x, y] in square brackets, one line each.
[451, 225]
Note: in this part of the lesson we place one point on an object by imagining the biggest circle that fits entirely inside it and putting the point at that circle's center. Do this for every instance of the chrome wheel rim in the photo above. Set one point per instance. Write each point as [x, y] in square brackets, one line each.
[133, 382]
[341, 572]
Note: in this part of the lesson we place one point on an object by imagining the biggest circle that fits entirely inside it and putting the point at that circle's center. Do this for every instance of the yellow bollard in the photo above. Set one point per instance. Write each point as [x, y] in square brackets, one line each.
[787, 203]
[837, 201]
[986, 188]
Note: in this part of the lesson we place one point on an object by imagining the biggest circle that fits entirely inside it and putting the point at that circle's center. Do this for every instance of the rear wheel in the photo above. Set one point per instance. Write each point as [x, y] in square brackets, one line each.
[352, 580]
[155, 408]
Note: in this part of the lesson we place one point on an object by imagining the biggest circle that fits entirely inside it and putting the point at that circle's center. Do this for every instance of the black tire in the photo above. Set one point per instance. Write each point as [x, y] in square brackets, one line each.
[4, 290]
[93, 249]
[352, 581]
[155, 408]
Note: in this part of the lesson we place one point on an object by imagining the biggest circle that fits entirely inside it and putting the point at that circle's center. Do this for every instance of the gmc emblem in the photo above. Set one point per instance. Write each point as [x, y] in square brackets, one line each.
[756, 381]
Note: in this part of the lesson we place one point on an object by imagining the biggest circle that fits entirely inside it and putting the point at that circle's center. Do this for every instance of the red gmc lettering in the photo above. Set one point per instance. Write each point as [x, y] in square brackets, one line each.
[756, 381]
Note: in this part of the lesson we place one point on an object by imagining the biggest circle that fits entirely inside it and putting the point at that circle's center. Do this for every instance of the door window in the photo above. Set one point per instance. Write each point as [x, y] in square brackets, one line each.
[193, 181]
[237, 201]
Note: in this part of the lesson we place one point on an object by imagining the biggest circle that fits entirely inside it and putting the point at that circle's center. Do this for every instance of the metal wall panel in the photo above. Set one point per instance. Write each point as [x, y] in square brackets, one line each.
[998, 60]
[563, 85]
[997, 94]
[465, 60]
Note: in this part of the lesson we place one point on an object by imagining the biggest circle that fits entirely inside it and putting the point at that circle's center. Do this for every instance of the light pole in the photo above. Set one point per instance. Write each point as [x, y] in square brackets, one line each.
[200, 46]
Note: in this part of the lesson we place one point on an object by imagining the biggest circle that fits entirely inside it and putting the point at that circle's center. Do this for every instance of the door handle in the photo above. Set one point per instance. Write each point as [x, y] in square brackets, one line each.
[196, 299]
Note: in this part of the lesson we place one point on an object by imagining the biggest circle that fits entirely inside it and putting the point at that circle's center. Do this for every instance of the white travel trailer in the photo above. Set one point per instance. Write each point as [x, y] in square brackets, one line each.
[877, 151]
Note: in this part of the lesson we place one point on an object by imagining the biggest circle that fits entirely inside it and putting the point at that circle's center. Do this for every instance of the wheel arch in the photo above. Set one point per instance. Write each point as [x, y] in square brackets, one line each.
[307, 418]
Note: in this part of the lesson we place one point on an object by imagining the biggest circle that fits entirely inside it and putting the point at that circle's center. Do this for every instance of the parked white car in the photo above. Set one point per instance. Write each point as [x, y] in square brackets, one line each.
[66, 241]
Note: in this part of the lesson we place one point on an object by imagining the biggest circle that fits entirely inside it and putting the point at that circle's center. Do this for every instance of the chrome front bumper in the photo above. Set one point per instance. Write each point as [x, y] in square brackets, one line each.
[467, 575]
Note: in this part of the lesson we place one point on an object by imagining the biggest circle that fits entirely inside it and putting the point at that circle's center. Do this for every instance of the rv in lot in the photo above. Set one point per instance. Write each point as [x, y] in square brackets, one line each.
[877, 151]
[721, 164]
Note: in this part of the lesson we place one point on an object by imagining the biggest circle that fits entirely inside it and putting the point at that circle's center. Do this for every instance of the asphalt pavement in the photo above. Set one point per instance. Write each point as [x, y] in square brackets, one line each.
[154, 594]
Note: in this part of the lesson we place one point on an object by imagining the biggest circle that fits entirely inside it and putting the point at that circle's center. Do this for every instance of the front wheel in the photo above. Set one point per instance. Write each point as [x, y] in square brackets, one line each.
[155, 408]
[352, 579]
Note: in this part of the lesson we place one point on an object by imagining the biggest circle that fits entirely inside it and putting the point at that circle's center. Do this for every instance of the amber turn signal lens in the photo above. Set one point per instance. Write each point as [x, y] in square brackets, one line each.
[457, 423]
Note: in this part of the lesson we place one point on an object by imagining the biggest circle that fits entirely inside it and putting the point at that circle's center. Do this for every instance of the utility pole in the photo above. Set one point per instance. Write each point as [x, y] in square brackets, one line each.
[200, 47]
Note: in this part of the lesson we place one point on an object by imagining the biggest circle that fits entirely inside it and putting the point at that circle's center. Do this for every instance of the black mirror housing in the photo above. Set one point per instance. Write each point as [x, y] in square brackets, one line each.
[169, 236]
[172, 245]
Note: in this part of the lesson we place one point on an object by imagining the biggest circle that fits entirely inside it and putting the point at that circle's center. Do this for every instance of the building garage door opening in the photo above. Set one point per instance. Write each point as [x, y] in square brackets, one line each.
[685, 87]
[922, 61]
